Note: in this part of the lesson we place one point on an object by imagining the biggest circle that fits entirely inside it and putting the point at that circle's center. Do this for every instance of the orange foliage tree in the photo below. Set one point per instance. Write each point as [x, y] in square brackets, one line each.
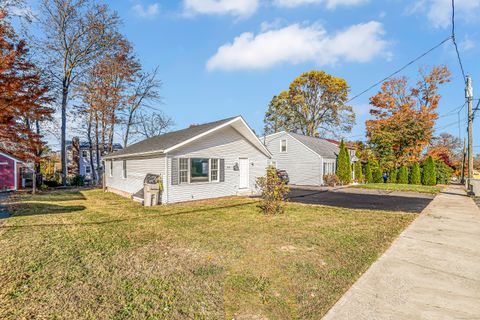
[23, 97]
[403, 117]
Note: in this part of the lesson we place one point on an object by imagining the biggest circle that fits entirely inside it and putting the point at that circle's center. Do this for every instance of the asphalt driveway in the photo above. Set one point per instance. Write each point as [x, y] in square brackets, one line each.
[352, 198]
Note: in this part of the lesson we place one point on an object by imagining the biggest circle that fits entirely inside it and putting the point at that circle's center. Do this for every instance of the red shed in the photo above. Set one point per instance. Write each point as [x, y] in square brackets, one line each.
[9, 172]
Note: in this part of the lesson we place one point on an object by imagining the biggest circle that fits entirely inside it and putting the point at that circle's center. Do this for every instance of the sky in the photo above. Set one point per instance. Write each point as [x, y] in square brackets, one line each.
[220, 58]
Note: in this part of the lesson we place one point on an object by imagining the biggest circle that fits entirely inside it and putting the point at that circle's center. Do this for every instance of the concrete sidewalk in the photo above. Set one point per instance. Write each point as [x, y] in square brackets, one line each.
[432, 271]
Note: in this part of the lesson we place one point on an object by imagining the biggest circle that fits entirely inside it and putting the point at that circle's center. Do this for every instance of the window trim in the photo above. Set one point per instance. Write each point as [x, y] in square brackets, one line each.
[210, 170]
[181, 170]
[286, 146]
[124, 169]
[189, 170]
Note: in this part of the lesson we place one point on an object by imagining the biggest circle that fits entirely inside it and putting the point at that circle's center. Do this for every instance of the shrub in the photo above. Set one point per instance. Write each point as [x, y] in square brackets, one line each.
[443, 172]
[378, 175]
[358, 171]
[392, 175]
[368, 172]
[331, 180]
[402, 175]
[344, 169]
[78, 181]
[273, 192]
[415, 175]
[429, 175]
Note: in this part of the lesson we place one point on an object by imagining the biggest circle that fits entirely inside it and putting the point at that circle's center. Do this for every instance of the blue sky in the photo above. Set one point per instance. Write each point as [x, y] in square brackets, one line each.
[219, 58]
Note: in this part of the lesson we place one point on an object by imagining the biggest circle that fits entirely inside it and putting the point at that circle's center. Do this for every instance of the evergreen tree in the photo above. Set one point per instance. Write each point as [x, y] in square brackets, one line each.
[443, 171]
[358, 171]
[392, 175]
[368, 172]
[344, 169]
[429, 172]
[403, 175]
[378, 175]
[415, 175]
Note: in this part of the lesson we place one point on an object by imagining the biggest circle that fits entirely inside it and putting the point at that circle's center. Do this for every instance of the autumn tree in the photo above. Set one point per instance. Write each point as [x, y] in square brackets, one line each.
[76, 34]
[316, 103]
[403, 116]
[23, 97]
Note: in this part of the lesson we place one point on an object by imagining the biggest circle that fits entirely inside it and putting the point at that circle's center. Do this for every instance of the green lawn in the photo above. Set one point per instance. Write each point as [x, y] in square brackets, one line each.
[90, 255]
[400, 187]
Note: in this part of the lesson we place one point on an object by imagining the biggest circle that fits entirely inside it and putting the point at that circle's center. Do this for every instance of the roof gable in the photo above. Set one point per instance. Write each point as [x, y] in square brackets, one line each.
[10, 157]
[320, 146]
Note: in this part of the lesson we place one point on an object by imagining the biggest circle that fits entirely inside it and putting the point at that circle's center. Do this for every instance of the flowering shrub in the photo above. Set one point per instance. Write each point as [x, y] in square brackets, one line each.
[274, 192]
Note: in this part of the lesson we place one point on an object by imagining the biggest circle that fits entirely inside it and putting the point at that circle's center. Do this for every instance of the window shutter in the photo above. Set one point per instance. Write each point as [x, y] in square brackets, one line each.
[222, 170]
[174, 171]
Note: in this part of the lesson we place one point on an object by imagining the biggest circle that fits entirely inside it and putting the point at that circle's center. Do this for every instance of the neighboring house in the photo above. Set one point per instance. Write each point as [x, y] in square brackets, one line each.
[10, 178]
[84, 167]
[306, 159]
[216, 159]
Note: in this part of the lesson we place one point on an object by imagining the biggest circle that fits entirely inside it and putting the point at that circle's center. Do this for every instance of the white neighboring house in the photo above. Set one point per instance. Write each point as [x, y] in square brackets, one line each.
[216, 159]
[306, 159]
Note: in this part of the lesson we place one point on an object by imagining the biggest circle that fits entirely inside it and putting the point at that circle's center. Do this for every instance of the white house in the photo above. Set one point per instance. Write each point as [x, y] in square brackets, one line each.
[306, 159]
[216, 159]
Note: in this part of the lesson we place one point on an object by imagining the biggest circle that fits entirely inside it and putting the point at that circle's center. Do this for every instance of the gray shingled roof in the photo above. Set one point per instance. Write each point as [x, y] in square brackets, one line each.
[320, 146]
[167, 140]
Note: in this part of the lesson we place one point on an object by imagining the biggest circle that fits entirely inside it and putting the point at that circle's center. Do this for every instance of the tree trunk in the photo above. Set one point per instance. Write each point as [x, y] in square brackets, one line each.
[127, 132]
[97, 144]
[90, 147]
[63, 142]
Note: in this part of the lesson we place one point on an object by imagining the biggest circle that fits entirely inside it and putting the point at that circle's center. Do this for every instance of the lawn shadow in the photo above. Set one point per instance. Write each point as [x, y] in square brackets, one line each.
[38, 208]
[383, 202]
[59, 196]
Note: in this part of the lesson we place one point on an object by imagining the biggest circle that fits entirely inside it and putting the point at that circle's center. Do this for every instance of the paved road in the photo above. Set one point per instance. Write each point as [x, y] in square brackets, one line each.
[354, 198]
[432, 271]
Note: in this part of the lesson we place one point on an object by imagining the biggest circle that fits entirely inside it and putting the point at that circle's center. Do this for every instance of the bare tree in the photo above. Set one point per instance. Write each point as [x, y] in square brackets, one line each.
[145, 91]
[153, 124]
[76, 32]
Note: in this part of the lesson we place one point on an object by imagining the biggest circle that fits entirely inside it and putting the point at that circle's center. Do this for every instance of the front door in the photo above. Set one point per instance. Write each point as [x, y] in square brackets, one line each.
[244, 173]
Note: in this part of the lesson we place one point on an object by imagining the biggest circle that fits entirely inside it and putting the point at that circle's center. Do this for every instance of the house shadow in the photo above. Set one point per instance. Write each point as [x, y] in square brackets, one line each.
[38, 208]
[59, 196]
[349, 200]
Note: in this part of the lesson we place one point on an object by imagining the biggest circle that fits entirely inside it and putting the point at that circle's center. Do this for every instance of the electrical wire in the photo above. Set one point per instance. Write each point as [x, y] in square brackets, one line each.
[455, 42]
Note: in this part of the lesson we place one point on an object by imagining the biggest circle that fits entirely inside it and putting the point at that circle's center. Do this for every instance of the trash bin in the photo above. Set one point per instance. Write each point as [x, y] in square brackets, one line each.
[151, 190]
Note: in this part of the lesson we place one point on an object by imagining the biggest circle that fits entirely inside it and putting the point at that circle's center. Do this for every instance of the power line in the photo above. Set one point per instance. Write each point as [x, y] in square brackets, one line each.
[400, 70]
[455, 42]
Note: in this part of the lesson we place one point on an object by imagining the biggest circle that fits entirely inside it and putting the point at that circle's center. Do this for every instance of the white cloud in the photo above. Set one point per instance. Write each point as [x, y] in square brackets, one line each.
[149, 11]
[439, 12]
[330, 4]
[299, 44]
[239, 8]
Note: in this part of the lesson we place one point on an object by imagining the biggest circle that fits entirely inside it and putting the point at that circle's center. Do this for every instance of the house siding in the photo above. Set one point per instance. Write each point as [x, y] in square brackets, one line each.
[227, 144]
[136, 171]
[7, 173]
[304, 167]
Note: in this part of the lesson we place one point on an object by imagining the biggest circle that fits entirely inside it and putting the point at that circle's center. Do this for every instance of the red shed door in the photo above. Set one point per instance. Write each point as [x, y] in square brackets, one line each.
[7, 173]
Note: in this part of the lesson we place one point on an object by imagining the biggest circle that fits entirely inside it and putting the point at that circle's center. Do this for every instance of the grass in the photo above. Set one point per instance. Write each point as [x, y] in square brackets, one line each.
[90, 255]
[401, 187]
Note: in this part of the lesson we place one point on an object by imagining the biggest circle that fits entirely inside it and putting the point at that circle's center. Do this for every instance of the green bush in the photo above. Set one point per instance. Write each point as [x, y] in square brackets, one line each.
[429, 173]
[368, 172]
[274, 192]
[402, 175]
[344, 169]
[443, 172]
[358, 171]
[392, 175]
[415, 174]
[78, 181]
[378, 175]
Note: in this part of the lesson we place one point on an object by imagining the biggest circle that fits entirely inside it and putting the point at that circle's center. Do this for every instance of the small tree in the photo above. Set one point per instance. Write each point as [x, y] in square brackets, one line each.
[344, 169]
[403, 175]
[378, 175]
[415, 175]
[274, 192]
[429, 172]
[392, 175]
[368, 172]
[358, 171]
[443, 172]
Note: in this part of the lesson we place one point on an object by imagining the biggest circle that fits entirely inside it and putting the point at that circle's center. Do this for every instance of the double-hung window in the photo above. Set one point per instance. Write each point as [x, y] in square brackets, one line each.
[214, 170]
[111, 168]
[84, 153]
[124, 171]
[183, 170]
[283, 145]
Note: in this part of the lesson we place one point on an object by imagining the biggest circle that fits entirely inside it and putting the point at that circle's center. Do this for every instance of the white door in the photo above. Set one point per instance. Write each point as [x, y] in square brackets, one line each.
[244, 173]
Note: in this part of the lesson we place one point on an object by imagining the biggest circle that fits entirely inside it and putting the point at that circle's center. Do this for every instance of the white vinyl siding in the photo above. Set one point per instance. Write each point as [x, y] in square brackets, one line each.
[304, 167]
[225, 144]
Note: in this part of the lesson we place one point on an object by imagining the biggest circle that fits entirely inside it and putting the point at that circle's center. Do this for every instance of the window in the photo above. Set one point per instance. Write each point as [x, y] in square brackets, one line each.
[88, 169]
[124, 171]
[283, 145]
[183, 170]
[328, 168]
[214, 170]
[199, 170]
[84, 153]
[111, 168]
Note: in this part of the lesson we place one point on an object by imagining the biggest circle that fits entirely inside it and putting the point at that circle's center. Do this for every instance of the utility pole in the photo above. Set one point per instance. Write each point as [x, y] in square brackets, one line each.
[462, 180]
[469, 96]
